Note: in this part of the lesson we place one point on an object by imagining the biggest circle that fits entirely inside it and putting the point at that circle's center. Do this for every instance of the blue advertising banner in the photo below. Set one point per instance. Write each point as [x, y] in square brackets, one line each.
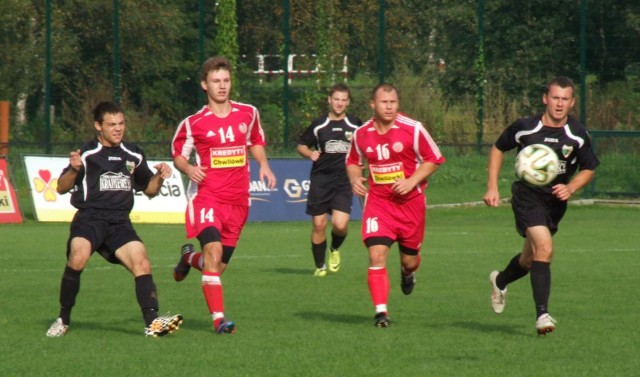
[288, 201]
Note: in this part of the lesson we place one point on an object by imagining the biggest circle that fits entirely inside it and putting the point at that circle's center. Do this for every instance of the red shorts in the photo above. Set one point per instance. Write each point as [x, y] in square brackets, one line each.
[401, 222]
[204, 212]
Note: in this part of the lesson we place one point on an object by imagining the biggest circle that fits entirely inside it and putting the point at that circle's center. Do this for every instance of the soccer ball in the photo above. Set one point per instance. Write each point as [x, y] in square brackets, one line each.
[537, 165]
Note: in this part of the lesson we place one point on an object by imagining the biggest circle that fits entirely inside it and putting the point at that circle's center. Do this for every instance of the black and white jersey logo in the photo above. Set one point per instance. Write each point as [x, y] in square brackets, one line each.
[115, 182]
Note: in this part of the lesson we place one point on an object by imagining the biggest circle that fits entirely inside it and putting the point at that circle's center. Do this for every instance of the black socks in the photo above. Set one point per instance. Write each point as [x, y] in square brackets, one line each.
[541, 285]
[69, 288]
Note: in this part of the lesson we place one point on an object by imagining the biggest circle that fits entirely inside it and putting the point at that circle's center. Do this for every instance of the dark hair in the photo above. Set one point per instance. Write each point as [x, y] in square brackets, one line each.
[561, 81]
[214, 64]
[340, 88]
[385, 86]
[106, 107]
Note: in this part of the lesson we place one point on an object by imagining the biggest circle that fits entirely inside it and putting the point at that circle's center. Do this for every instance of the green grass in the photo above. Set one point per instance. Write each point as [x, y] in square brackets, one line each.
[292, 324]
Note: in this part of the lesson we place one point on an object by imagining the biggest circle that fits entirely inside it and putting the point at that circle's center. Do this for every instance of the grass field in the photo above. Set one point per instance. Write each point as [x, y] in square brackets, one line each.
[293, 324]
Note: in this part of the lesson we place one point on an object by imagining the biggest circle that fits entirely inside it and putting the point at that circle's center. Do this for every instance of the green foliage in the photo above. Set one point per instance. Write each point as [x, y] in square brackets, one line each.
[20, 71]
[160, 61]
[226, 40]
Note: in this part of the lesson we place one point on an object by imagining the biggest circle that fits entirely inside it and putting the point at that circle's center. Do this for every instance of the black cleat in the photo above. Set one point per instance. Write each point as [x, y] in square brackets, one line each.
[181, 270]
[382, 320]
[407, 283]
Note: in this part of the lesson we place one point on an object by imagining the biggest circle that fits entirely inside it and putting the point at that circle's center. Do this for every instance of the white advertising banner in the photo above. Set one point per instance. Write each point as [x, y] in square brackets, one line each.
[43, 172]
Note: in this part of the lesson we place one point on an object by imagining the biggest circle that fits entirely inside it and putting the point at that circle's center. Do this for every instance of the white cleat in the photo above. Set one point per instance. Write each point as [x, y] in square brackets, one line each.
[498, 296]
[545, 324]
[57, 329]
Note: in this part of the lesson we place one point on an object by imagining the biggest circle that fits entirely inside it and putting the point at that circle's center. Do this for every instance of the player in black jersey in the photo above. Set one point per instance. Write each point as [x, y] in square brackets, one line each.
[326, 142]
[538, 210]
[103, 175]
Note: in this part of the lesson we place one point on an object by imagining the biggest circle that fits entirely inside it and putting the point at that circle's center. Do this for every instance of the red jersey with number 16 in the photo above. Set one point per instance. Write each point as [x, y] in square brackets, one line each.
[393, 155]
[221, 146]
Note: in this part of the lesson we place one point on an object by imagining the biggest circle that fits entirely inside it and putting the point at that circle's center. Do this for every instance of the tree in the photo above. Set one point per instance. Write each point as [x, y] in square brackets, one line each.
[226, 40]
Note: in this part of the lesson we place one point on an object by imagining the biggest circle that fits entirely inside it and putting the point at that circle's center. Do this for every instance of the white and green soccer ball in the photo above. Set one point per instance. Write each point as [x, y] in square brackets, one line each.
[537, 165]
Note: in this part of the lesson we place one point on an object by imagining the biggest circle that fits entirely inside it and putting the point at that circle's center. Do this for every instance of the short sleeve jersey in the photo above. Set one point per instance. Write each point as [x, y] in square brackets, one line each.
[332, 138]
[394, 155]
[109, 176]
[221, 147]
[571, 143]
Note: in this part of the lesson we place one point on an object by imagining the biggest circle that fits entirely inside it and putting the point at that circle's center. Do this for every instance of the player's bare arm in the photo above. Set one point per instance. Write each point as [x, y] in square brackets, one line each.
[163, 171]
[357, 180]
[564, 192]
[492, 196]
[68, 179]
[195, 173]
[259, 154]
[405, 186]
[307, 152]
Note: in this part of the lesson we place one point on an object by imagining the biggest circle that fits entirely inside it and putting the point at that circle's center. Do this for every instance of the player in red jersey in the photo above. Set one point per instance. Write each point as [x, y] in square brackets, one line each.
[401, 155]
[221, 134]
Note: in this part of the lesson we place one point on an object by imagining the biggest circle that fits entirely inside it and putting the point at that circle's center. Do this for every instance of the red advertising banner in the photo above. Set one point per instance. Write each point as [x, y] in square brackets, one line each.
[9, 209]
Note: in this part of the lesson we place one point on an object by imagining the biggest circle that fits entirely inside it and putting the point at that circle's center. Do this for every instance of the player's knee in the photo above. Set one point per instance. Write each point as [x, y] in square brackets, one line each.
[319, 229]
[340, 229]
[78, 258]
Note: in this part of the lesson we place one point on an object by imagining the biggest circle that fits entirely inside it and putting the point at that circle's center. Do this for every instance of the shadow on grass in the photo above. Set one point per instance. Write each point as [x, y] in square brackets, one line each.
[122, 326]
[491, 328]
[334, 317]
[294, 271]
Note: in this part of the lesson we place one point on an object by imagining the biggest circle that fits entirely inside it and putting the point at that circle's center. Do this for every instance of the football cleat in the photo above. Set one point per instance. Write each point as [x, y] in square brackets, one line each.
[381, 320]
[498, 296]
[320, 272]
[164, 325]
[181, 270]
[57, 329]
[545, 324]
[407, 283]
[226, 327]
[334, 261]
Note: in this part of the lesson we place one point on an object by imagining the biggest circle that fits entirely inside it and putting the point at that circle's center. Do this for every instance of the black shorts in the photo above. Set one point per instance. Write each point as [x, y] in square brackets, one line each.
[106, 230]
[533, 207]
[325, 197]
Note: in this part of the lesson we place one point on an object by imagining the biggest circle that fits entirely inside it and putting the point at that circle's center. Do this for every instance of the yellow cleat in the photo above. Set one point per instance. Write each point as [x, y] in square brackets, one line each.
[334, 261]
[320, 272]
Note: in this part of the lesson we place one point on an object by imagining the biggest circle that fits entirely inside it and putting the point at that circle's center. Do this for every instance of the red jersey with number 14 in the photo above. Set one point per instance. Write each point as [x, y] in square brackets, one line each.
[221, 146]
[393, 155]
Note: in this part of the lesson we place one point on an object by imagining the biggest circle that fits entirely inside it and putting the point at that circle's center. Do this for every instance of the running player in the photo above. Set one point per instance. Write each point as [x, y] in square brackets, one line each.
[220, 134]
[401, 155]
[538, 210]
[326, 142]
[103, 175]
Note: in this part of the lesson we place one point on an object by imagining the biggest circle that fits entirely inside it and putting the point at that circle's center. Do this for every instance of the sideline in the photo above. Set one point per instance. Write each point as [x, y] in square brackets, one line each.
[606, 202]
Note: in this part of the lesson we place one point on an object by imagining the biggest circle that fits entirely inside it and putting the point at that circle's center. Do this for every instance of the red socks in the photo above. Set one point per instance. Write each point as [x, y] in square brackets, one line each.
[212, 289]
[378, 281]
[194, 260]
